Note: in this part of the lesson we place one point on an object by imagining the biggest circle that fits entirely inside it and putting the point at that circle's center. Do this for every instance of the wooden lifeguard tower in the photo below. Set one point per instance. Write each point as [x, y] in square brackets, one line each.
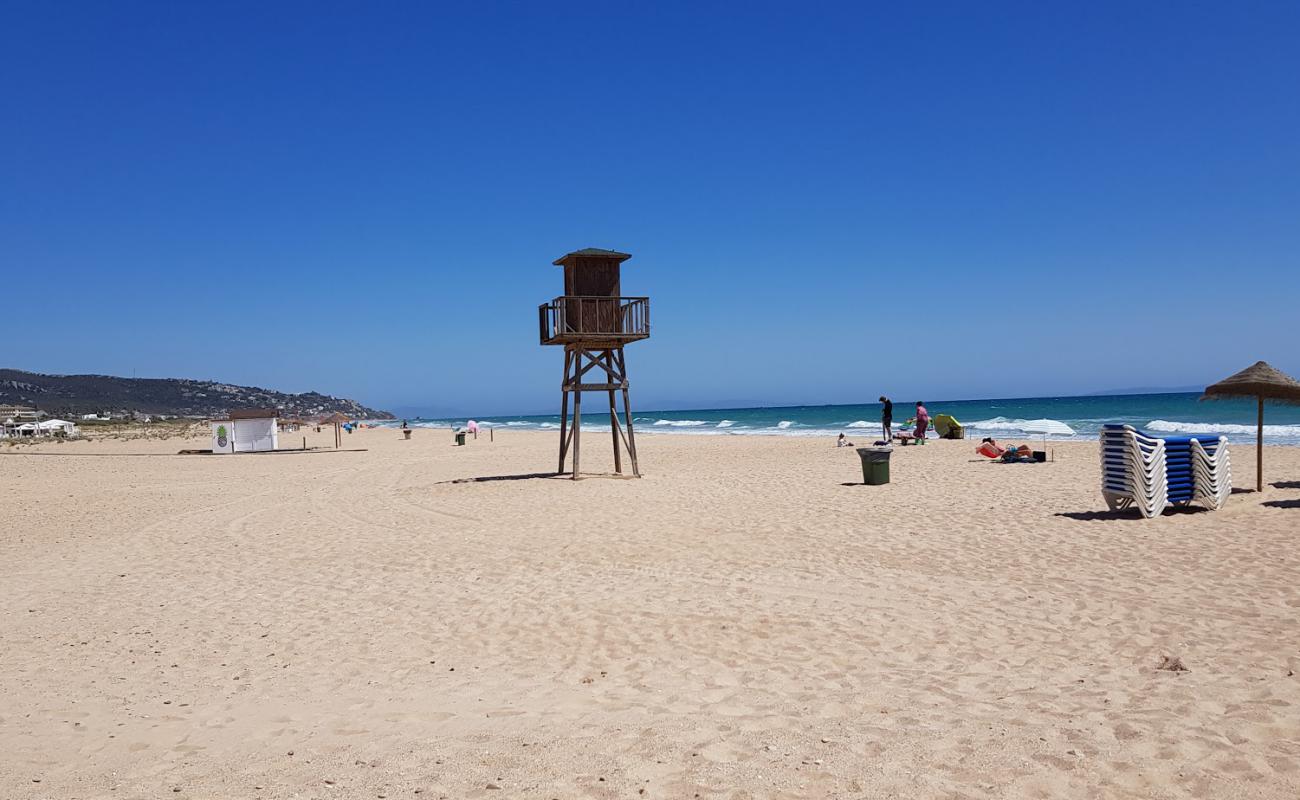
[594, 322]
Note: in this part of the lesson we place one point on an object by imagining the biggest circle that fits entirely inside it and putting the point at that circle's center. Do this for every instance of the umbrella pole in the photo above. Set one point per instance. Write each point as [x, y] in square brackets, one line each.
[1259, 448]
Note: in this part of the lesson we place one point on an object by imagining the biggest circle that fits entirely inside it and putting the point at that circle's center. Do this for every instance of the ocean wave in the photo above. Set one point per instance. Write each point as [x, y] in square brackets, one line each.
[995, 424]
[726, 423]
[681, 423]
[862, 423]
[797, 433]
[1166, 426]
[998, 423]
[1024, 426]
[785, 423]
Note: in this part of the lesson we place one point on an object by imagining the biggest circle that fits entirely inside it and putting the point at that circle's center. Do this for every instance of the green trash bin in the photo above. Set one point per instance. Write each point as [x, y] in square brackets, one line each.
[875, 465]
[460, 438]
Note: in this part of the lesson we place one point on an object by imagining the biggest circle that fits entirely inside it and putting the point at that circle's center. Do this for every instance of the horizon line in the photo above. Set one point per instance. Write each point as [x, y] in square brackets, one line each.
[840, 405]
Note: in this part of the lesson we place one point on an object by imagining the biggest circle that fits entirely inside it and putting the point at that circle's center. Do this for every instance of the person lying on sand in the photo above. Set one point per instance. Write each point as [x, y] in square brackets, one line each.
[1021, 454]
[991, 449]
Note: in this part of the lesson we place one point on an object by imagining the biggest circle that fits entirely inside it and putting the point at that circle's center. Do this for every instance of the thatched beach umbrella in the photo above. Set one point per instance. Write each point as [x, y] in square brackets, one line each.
[1261, 382]
[335, 419]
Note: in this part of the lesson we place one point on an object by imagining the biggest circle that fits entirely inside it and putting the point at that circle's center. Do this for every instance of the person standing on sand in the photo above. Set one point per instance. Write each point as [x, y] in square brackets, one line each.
[887, 417]
[922, 420]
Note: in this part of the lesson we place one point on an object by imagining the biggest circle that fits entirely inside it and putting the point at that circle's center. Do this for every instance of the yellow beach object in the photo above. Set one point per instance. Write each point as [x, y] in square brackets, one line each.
[948, 427]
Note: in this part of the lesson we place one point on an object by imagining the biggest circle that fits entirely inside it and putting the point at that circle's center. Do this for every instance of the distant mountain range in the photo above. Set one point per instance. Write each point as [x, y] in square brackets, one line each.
[68, 395]
[1147, 390]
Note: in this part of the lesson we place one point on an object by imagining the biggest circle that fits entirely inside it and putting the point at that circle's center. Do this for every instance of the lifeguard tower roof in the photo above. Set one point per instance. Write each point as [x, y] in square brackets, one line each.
[591, 252]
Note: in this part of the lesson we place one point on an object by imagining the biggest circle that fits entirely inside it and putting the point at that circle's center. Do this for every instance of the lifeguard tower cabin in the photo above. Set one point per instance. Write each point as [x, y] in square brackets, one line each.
[594, 322]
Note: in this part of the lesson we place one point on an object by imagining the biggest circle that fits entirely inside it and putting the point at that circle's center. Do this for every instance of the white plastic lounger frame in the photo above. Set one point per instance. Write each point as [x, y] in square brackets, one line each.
[1213, 473]
[1134, 472]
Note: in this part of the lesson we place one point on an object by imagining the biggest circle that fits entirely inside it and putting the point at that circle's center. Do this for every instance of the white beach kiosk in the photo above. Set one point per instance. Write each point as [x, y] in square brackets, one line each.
[249, 430]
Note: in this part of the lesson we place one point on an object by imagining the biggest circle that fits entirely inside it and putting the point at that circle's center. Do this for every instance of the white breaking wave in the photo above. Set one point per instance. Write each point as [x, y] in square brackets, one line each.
[726, 423]
[1005, 424]
[862, 423]
[783, 424]
[681, 423]
[740, 431]
[1166, 426]
[997, 424]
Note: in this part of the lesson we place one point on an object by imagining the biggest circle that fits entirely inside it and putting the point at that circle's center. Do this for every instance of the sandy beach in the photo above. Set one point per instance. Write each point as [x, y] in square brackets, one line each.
[747, 621]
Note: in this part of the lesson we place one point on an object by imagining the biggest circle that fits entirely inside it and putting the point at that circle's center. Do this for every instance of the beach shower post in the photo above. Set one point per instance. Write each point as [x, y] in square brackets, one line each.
[593, 323]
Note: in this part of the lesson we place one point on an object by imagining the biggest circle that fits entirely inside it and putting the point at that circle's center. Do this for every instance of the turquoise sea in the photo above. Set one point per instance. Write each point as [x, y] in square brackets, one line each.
[1003, 419]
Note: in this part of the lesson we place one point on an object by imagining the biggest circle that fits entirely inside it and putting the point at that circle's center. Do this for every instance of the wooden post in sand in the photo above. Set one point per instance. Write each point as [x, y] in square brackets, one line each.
[1259, 448]
[594, 323]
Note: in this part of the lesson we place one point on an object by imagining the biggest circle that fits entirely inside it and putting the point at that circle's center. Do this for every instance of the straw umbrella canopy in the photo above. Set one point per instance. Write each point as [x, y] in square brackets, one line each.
[1261, 382]
[335, 419]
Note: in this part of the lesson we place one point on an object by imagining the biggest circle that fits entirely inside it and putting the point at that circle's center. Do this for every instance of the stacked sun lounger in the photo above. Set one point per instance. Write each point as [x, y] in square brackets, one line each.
[1212, 471]
[1151, 473]
[1133, 470]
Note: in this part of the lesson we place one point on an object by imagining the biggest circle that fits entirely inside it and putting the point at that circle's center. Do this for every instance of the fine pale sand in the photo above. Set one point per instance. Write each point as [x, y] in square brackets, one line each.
[747, 621]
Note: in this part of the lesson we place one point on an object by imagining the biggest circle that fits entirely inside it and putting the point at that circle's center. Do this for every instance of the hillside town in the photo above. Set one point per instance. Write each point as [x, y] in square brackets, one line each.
[27, 396]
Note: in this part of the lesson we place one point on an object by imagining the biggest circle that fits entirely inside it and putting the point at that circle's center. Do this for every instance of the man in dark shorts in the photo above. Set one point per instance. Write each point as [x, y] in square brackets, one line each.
[887, 417]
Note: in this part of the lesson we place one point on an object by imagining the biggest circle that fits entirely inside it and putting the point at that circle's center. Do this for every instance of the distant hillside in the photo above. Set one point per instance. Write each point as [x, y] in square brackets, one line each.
[67, 395]
[1147, 390]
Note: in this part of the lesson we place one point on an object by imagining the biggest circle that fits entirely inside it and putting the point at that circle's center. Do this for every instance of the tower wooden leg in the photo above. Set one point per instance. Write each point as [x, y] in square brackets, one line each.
[613, 412]
[627, 412]
[631, 436]
[577, 414]
[610, 361]
[564, 413]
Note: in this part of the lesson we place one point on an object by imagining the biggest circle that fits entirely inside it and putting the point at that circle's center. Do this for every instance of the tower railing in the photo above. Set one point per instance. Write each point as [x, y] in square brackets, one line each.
[573, 318]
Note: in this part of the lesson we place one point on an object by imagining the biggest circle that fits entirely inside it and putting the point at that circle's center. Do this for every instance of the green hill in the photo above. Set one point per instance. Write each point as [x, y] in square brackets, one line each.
[70, 395]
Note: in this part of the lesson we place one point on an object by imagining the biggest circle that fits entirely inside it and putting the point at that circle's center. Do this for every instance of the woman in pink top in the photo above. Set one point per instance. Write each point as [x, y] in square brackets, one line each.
[922, 420]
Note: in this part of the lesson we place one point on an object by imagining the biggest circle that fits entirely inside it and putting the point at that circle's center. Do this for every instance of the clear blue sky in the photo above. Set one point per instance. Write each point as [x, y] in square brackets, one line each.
[825, 202]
